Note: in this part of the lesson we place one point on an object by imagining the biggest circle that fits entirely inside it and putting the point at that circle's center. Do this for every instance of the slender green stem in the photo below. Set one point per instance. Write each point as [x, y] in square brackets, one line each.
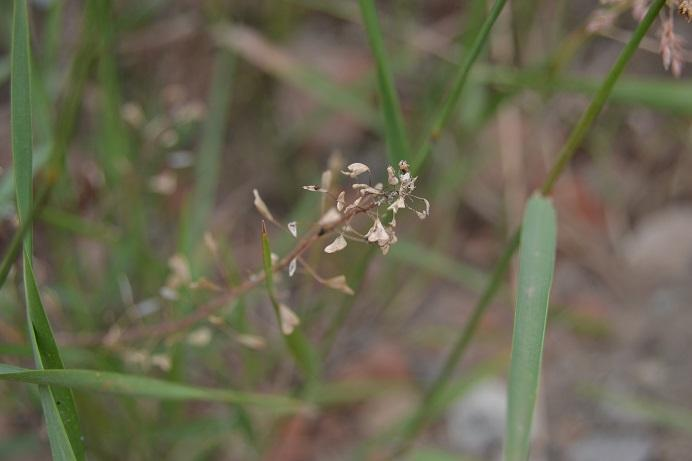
[452, 99]
[573, 142]
[397, 143]
[420, 418]
[584, 124]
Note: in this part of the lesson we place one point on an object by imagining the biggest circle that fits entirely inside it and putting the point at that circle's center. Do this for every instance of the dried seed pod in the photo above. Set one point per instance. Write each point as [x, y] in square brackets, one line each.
[330, 217]
[293, 228]
[355, 204]
[289, 319]
[262, 207]
[341, 201]
[397, 204]
[251, 341]
[314, 188]
[338, 244]
[339, 283]
[391, 177]
[356, 169]
[685, 10]
[377, 233]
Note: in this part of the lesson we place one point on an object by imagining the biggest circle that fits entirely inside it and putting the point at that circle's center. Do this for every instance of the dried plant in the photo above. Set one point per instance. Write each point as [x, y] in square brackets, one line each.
[375, 201]
[380, 204]
[671, 48]
[670, 44]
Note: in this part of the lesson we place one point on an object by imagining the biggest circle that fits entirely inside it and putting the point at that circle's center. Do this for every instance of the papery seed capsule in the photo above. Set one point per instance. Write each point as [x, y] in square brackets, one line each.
[403, 167]
[685, 10]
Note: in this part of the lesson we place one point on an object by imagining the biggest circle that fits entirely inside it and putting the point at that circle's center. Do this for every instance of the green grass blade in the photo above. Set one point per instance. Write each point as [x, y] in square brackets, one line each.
[536, 267]
[207, 166]
[395, 131]
[661, 94]
[21, 109]
[61, 447]
[451, 100]
[140, 386]
[65, 436]
[416, 255]
[653, 411]
[582, 127]
[245, 43]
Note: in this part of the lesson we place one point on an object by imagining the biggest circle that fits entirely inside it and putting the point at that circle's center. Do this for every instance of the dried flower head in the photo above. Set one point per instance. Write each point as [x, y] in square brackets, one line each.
[601, 19]
[685, 10]
[371, 201]
[671, 44]
[671, 47]
[356, 169]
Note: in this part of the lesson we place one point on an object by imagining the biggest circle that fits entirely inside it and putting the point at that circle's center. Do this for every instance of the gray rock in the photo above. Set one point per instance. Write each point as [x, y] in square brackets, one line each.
[610, 447]
[476, 424]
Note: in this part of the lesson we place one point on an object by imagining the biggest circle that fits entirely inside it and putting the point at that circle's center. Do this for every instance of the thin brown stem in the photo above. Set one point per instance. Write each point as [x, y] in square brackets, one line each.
[170, 327]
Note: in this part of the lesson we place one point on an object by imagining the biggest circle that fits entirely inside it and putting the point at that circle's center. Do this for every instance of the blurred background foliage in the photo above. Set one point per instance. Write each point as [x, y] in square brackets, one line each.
[169, 113]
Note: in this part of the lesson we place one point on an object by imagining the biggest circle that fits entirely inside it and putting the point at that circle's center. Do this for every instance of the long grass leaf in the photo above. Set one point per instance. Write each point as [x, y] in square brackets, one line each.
[536, 267]
[139, 386]
[395, 131]
[65, 436]
[251, 46]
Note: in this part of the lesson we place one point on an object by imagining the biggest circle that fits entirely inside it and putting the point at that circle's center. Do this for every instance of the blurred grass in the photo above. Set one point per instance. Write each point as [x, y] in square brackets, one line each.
[653, 411]
[139, 386]
[395, 131]
[450, 102]
[139, 230]
[304, 355]
[247, 44]
[536, 267]
[419, 419]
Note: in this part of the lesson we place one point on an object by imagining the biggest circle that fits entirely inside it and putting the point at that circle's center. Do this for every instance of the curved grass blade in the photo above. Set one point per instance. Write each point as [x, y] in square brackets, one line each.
[395, 131]
[247, 44]
[451, 100]
[58, 404]
[536, 267]
[140, 386]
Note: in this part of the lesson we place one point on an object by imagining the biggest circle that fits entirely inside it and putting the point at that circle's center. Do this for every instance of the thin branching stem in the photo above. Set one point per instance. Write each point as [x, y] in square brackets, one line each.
[174, 326]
